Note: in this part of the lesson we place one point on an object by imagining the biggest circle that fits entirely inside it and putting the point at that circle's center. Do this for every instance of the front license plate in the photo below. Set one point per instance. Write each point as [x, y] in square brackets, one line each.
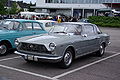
[30, 57]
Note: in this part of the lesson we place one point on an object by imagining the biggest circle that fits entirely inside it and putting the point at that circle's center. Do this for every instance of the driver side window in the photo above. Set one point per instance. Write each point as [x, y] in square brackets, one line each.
[16, 25]
[10, 26]
[78, 30]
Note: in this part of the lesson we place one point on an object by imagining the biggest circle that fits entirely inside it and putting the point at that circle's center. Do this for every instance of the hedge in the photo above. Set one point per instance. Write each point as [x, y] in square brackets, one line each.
[105, 21]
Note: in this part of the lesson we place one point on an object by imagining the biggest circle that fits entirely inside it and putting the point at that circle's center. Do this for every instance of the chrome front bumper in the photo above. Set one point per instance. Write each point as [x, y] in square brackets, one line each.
[39, 58]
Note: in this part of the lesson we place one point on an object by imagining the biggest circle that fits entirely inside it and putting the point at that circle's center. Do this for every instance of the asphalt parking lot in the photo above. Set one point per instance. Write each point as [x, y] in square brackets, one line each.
[13, 67]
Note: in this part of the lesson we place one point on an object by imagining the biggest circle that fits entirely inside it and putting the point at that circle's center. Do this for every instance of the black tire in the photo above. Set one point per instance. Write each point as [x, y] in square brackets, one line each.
[4, 48]
[101, 51]
[67, 59]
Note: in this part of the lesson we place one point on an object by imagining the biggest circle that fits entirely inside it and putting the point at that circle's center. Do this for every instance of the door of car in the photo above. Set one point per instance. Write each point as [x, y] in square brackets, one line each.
[37, 28]
[90, 39]
[25, 29]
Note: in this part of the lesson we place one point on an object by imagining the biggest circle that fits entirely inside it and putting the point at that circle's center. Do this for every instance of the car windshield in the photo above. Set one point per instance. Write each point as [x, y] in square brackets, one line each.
[73, 29]
[9, 25]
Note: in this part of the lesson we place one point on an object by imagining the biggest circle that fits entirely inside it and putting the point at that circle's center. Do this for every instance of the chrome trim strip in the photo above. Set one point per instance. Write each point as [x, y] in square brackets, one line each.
[40, 57]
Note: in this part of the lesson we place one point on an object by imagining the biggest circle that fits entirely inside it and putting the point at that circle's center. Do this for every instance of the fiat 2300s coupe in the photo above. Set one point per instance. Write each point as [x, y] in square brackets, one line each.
[64, 43]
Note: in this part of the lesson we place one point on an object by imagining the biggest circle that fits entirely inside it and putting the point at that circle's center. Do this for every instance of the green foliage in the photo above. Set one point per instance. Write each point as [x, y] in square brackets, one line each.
[13, 9]
[2, 8]
[105, 21]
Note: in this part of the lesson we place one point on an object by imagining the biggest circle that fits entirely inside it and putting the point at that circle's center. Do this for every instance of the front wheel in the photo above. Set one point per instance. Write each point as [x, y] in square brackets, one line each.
[101, 51]
[67, 59]
[3, 49]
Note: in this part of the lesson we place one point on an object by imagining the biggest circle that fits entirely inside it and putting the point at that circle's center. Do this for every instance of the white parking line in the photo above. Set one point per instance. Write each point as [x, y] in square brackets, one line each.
[9, 58]
[27, 72]
[85, 66]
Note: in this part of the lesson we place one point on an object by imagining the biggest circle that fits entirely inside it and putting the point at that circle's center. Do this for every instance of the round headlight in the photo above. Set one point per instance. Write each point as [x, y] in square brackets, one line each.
[16, 42]
[52, 46]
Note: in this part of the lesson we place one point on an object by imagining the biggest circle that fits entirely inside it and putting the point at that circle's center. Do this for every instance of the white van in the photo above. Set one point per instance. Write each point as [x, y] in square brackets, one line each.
[33, 15]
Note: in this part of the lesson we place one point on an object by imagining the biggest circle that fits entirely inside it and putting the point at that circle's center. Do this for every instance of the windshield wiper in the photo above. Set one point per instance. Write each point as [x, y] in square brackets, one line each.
[61, 32]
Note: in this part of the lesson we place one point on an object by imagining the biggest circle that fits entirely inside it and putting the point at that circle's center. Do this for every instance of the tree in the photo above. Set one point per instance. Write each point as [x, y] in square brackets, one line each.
[13, 9]
[2, 7]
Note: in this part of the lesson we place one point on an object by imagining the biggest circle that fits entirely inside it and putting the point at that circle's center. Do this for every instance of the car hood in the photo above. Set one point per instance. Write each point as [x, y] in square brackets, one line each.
[46, 39]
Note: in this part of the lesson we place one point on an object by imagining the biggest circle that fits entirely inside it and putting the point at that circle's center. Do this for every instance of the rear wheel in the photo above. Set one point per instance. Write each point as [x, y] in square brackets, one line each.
[4, 48]
[67, 58]
[101, 51]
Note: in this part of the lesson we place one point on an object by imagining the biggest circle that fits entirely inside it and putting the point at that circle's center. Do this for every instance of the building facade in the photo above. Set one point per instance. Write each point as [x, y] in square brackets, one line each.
[76, 8]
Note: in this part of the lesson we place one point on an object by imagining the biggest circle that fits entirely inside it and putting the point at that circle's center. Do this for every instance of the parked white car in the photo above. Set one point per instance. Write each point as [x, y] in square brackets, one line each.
[47, 24]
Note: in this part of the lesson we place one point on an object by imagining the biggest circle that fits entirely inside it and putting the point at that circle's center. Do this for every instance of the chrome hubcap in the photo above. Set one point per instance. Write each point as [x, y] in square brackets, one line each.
[68, 58]
[3, 49]
[101, 50]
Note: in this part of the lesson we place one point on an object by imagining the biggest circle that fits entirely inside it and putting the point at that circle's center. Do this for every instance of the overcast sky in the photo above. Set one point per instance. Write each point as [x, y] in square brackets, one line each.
[28, 1]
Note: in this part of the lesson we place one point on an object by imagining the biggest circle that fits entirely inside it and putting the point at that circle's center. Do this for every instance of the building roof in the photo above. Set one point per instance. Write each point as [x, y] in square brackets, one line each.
[113, 5]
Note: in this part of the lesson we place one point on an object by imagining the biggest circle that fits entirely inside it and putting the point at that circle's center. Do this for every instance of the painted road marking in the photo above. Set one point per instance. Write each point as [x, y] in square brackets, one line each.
[9, 58]
[27, 72]
[55, 77]
[85, 66]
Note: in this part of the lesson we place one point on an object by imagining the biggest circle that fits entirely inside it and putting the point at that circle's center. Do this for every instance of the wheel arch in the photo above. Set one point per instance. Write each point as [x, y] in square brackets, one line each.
[6, 42]
[103, 44]
[72, 48]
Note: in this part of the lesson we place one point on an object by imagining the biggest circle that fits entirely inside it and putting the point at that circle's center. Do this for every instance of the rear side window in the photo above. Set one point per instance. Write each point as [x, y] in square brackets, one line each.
[88, 29]
[16, 25]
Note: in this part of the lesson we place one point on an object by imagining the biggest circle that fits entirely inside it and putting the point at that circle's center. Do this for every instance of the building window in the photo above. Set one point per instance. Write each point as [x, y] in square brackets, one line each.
[74, 1]
[88, 1]
[56, 1]
[48, 1]
[94, 1]
[81, 1]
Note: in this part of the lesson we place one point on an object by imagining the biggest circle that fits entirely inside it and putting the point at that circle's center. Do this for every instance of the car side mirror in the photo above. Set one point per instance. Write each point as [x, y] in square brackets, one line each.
[84, 35]
[99, 32]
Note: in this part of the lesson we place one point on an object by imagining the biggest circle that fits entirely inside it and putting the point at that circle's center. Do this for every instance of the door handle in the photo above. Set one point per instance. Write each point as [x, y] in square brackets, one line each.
[84, 35]
[34, 32]
[97, 38]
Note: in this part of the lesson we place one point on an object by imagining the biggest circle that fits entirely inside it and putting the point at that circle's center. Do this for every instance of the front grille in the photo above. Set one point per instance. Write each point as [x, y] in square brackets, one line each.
[33, 48]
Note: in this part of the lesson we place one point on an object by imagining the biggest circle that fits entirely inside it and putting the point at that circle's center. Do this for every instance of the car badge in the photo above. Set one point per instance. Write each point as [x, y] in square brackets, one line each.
[31, 46]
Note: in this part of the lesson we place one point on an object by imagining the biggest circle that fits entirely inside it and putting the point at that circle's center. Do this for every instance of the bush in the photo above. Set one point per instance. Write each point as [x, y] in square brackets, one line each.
[105, 21]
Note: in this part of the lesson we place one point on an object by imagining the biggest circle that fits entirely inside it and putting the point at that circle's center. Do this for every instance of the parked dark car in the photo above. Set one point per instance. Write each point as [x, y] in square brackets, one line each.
[64, 43]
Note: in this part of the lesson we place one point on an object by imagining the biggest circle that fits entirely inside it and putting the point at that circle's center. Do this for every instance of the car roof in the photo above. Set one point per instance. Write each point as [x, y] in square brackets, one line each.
[80, 23]
[44, 21]
[21, 20]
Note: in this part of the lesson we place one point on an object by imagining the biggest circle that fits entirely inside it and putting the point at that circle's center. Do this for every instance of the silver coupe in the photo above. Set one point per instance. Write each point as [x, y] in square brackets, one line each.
[64, 43]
